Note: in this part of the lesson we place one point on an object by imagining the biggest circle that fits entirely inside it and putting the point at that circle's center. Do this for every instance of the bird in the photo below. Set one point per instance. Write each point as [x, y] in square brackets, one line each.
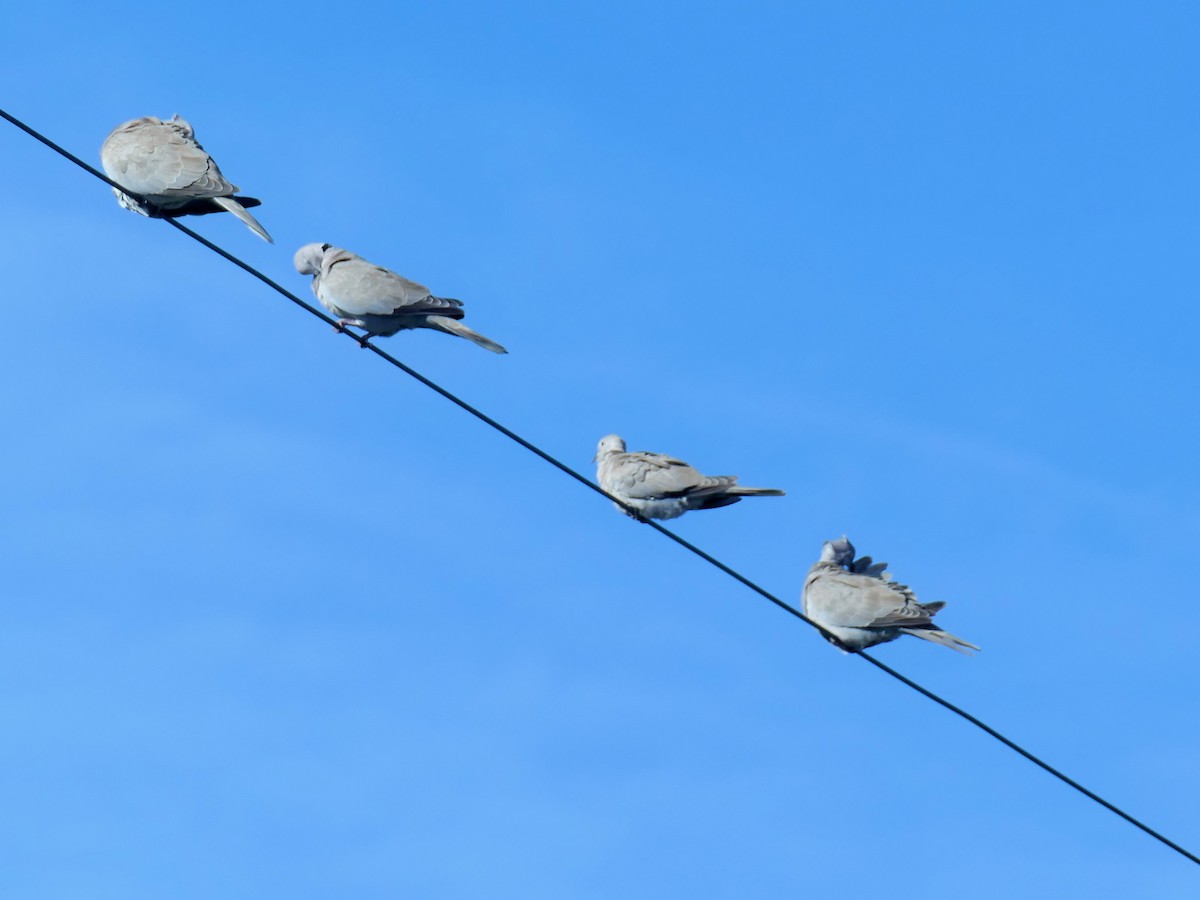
[857, 602]
[170, 172]
[378, 300]
[657, 486]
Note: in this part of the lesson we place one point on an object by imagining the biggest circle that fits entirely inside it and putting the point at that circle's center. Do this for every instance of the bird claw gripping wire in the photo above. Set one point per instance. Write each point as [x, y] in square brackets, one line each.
[340, 328]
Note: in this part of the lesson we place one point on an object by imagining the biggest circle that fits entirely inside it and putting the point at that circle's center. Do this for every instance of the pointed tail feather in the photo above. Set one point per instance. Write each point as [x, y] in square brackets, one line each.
[247, 202]
[228, 203]
[451, 326]
[754, 492]
[945, 638]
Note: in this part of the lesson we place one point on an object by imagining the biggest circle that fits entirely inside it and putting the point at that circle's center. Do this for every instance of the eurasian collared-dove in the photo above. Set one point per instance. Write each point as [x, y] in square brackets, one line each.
[660, 487]
[378, 300]
[162, 162]
[857, 602]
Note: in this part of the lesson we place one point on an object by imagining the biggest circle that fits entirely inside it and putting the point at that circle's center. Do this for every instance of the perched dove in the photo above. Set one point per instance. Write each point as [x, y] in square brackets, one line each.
[378, 300]
[660, 487]
[857, 602]
[162, 162]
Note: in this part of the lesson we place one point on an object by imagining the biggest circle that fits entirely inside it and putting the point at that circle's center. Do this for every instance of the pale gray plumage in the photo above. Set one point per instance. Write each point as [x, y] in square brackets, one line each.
[378, 300]
[162, 162]
[661, 487]
[857, 602]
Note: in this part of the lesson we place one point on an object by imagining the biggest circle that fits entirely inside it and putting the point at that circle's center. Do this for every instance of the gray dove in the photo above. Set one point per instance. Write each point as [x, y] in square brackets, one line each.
[661, 487]
[162, 162]
[378, 300]
[857, 602]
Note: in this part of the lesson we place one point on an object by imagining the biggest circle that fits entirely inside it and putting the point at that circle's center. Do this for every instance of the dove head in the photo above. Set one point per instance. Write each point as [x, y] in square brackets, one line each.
[309, 257]
[610, 443]
[839, 551]
[182, 125]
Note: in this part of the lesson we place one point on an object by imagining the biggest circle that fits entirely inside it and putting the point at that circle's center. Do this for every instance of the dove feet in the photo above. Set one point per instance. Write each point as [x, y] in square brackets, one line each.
[340, 328]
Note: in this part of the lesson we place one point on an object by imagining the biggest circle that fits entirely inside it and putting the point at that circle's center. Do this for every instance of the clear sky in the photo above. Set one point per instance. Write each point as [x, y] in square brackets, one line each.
[276, 621]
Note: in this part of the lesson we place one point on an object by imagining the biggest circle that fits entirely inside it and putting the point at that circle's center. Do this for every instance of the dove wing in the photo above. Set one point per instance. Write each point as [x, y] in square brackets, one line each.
[847, 600]
[647, 476]
[361, 288]
[158, 161]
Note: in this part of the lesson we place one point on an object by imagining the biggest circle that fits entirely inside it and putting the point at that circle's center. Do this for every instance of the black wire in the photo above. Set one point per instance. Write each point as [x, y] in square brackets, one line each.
[563, 467]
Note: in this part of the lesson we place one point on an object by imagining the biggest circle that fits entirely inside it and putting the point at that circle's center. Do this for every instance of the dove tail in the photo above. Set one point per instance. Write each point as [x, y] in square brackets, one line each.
[231, 205]
[945, 638]
[755, 492]
[450, 326]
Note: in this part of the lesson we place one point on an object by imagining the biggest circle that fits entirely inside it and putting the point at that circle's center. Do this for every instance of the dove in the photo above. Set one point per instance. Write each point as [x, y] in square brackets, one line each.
[857, 602]
[378, 300]
[661, 487]
[162, 163]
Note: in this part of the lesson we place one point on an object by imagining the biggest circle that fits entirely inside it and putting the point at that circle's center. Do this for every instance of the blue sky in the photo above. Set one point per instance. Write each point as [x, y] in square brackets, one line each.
[278, 621]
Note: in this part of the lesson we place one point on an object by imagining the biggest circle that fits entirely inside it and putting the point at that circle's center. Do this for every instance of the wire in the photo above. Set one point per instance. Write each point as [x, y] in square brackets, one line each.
[563, 467]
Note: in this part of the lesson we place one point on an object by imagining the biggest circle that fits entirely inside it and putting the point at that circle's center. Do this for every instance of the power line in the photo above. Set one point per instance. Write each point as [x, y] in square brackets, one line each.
[364, 343]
